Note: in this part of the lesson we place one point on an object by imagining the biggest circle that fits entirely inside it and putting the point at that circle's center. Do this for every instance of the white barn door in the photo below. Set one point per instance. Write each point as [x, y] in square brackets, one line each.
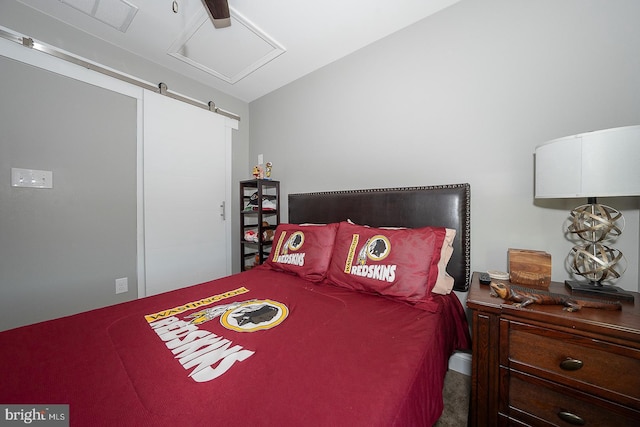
[185, 184]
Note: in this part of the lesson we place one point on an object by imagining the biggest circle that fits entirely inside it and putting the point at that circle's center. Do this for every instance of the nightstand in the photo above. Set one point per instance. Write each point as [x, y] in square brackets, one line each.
[542, 366]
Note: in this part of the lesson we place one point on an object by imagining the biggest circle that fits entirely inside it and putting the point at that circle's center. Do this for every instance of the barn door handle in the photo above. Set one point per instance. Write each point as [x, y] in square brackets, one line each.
[223, 211]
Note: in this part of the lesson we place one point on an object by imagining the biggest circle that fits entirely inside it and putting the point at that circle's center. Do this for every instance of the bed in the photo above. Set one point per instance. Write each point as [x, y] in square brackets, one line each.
[300, 340]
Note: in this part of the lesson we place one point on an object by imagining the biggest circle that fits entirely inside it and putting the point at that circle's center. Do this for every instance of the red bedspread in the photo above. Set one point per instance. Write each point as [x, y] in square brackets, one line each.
[334, 357]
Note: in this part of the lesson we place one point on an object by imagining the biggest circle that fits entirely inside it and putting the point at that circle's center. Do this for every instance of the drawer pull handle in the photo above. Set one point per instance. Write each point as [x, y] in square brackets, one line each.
[571, 418]
[570, 364]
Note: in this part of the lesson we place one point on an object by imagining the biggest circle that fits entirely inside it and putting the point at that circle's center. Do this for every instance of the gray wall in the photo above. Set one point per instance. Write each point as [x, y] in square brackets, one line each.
[465, 96]
[61, 249]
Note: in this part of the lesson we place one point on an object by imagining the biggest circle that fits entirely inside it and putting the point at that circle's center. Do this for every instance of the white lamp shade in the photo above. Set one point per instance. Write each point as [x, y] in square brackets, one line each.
[603, 163]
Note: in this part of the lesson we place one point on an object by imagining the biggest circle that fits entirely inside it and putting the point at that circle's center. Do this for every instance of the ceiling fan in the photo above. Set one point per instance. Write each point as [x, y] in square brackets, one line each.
[219, 12]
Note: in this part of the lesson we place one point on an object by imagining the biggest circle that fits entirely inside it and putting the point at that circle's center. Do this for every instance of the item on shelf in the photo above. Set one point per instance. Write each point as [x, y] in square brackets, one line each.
[269, 165]
[258, 172]
[251, 236]
[268, 203]
[267, 235]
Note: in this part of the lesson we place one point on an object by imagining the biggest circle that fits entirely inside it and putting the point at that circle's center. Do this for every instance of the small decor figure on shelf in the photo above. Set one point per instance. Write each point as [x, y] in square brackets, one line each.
[258, 172]
[267, 235]
[268, 171]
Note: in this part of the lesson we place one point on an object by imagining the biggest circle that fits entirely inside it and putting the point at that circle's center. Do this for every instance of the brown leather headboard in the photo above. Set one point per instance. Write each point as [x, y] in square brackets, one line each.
[440, 206]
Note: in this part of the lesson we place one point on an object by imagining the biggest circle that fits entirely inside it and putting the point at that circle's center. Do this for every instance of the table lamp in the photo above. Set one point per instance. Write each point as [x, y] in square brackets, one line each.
[604, 163]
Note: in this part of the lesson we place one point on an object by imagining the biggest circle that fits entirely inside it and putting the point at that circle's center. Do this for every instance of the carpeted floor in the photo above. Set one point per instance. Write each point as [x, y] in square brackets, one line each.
[457, 392]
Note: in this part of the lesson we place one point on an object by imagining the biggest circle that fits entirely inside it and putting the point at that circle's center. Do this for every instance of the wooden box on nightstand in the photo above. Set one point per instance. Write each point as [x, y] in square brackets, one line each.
[543, 366]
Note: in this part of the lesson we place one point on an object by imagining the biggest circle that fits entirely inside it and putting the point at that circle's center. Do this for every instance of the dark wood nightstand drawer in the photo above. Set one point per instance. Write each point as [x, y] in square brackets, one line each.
[538, 402]
[517, 378]
[594, 366]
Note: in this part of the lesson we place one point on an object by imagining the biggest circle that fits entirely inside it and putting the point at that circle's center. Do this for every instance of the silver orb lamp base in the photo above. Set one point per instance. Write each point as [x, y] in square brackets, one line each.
[595, 223]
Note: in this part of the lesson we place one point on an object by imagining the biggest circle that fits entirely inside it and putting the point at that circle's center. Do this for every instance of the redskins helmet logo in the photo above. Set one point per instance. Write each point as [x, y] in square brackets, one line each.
[254, 316]
[376, 248]
[246, 316]
[294, 242]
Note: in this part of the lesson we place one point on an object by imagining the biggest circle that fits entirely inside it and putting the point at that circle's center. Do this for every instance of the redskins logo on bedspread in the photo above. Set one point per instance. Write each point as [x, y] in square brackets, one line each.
[293, 243]
[375, 249]
[247, 316]
[204, 353]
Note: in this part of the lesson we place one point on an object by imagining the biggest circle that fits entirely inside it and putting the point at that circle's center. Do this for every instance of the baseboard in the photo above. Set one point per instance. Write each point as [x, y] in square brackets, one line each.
[460, 362]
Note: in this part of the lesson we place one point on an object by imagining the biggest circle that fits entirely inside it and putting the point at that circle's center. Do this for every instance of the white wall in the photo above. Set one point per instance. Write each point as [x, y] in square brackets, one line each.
[465, 96]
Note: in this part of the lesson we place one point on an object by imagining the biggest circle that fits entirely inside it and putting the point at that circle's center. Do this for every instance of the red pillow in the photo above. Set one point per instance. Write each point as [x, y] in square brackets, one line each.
[396, 262]
[303, 249]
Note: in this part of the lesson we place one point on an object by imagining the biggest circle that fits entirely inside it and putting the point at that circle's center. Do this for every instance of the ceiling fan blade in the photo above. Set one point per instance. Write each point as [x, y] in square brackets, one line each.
[219, 12]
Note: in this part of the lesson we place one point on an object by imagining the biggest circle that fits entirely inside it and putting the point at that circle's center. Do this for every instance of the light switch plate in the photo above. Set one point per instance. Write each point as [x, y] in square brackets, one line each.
[31, 178]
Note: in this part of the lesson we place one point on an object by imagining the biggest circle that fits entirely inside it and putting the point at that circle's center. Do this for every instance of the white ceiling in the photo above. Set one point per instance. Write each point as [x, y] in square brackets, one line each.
[270, 42]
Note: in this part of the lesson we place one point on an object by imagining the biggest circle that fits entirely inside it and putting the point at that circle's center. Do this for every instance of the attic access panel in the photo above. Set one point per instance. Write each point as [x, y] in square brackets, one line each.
[115, 13]
[230, 53]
